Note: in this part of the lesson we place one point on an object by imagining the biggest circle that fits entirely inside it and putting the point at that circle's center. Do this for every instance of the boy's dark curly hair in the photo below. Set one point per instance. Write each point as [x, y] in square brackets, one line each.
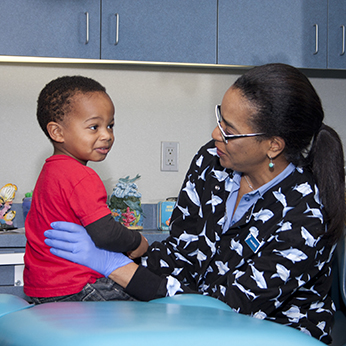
[54, 101]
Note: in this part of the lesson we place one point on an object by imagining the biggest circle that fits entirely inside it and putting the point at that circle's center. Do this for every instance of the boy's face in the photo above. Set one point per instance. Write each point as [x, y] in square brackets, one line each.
[88, 128]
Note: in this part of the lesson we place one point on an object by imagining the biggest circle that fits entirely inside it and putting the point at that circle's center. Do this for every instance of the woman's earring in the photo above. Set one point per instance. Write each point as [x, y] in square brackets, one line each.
[271, 163]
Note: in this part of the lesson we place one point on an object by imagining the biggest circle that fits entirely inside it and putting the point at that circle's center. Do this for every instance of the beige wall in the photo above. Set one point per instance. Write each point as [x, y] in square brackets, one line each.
[153, 104]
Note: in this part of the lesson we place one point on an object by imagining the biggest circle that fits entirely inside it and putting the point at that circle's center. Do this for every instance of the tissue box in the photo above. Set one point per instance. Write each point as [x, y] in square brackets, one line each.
[164, 213]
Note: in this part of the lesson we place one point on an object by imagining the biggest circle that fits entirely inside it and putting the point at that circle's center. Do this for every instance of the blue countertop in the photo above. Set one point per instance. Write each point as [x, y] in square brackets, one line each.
[16, 237]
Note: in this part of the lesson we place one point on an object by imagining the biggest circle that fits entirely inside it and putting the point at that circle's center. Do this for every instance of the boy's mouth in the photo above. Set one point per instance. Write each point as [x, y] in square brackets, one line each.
[103, 151]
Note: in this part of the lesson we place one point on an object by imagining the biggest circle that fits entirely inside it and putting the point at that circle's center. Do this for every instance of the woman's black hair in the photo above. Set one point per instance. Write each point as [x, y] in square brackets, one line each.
[288, 106]
[54, 101]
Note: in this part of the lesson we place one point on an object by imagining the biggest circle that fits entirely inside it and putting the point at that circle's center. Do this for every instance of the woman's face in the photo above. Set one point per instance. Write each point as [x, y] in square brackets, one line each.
[246, 154]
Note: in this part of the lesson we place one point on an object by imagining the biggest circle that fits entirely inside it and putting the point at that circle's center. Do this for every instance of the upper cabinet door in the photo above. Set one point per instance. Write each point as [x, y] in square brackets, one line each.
[337, 34]
[64, 28]
[156, 30]
[253, 32]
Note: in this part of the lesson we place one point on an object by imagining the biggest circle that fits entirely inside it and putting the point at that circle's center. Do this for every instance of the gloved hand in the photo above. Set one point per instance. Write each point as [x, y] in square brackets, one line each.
[72, 242]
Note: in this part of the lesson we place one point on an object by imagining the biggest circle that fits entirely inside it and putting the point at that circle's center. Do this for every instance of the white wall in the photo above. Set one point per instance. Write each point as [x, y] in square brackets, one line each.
[153, 104]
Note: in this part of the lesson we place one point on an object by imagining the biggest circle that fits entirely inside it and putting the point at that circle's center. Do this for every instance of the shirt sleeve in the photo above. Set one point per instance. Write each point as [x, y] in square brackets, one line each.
[168, 268]
[111, 235]
[146, 285]
[179, 255]
[88, 197]
[88, 200]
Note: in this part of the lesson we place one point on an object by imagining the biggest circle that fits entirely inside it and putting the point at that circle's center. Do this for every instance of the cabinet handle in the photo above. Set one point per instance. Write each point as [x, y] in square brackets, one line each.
[116, 29]
[87, 27]
[316, 38]
[343, 39]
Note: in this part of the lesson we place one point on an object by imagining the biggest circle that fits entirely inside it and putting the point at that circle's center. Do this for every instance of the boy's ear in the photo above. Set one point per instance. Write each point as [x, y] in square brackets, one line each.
[55, 132]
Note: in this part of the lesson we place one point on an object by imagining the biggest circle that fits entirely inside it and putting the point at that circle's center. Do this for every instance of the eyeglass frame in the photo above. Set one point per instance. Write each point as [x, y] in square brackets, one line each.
[223, 134]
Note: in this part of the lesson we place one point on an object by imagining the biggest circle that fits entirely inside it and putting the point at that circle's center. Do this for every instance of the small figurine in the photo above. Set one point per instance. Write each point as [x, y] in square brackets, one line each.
[125, 203]
[7, 215]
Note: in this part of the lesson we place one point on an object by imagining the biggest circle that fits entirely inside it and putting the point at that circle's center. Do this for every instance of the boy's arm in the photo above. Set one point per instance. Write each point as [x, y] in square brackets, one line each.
[111, 235]
[71, 241]
[141, 249]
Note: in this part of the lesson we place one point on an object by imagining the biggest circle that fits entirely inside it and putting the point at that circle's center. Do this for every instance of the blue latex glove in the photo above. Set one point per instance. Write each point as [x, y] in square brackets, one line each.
[72, 242]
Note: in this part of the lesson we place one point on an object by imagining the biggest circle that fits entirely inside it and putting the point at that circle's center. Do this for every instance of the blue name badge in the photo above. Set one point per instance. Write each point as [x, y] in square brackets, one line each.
[252, 242]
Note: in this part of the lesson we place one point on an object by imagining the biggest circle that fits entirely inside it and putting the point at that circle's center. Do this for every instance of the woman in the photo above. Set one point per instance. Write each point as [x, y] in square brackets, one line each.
[259, 213]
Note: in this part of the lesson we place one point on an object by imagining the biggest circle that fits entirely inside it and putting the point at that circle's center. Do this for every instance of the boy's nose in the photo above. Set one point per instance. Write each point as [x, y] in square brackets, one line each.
[107, 135]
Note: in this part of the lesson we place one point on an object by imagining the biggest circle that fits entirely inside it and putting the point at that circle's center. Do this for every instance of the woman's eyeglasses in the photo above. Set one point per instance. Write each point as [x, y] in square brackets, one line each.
[223, 134]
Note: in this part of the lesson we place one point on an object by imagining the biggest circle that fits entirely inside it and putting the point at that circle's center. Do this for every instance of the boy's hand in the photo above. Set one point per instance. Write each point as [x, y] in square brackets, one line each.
[72, 242]
[141, 250]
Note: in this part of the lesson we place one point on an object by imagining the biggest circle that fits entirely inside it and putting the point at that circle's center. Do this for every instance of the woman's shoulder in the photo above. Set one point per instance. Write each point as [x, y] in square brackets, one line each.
[300, 180]
[294, 198]
[300, 200]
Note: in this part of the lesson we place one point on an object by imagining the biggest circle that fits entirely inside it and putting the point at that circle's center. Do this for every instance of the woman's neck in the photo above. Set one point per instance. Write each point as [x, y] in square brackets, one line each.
[261, 177]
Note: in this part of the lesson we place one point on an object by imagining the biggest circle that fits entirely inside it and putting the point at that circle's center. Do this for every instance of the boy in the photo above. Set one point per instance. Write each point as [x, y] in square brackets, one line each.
[77, 115]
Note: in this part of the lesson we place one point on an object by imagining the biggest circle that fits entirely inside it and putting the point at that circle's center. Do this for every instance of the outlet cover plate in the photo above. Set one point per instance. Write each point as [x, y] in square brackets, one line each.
[169, 156]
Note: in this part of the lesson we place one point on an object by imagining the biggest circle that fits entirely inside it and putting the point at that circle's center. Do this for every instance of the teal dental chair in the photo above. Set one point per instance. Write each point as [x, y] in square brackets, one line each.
[180, 320]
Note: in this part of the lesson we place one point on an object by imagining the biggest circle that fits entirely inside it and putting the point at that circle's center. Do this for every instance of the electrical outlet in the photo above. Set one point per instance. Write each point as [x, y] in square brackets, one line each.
[169, 156]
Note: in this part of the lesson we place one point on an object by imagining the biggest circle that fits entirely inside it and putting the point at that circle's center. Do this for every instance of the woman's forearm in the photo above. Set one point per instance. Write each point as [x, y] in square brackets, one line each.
[123, 275]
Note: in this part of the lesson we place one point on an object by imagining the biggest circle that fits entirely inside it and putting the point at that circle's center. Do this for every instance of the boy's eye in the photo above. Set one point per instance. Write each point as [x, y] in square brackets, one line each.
[93, 127]
[110, 126]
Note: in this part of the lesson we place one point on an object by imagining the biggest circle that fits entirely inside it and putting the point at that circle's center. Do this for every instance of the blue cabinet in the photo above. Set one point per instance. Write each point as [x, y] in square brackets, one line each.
[255, 32]
[156, 30]
[12, 248]
[64, 28]
[303, 33]
[337, 34]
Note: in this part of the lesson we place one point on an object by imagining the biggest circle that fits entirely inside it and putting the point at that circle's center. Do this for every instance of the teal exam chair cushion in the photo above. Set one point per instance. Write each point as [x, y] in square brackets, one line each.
[180, 320]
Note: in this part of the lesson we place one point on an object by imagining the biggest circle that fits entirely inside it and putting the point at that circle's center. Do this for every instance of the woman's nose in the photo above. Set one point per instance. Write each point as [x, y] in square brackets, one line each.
[216, 134]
